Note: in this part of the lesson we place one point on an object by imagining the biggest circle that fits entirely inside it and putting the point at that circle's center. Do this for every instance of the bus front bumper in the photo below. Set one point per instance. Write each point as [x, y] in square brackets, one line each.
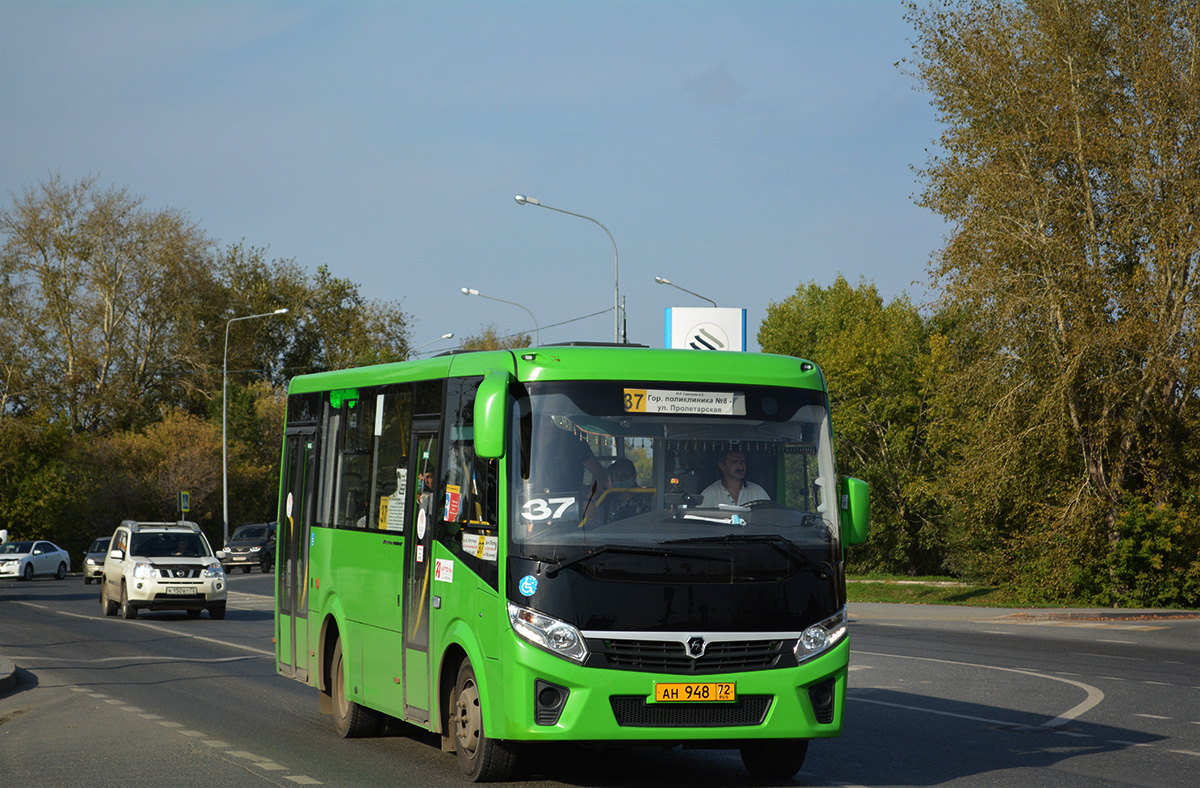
[548, 698]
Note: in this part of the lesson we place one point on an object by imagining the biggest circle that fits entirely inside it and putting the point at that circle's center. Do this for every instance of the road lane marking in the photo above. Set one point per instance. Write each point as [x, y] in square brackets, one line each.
[1153, 716]
[129, 658]
[1093, 699]
[932, 711]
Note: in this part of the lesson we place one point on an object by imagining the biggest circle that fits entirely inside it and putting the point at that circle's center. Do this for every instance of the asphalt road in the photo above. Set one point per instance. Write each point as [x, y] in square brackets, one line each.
[939, 696]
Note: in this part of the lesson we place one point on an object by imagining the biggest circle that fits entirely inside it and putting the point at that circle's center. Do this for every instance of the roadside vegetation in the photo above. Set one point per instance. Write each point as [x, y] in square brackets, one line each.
[1033, 431]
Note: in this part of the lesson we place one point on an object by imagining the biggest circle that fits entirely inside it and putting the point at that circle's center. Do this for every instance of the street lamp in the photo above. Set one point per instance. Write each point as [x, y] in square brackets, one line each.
[523, 200]
[662, 281]
[470, 291]
[447, 335]
[225, 417]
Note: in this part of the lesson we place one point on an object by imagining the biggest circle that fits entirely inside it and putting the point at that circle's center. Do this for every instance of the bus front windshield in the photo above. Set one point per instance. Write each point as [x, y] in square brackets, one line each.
[613, 476]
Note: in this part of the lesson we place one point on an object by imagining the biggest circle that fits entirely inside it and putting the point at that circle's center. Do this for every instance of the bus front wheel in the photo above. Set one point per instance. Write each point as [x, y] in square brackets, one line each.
[351, 720]
[774, 758]
[481, 759]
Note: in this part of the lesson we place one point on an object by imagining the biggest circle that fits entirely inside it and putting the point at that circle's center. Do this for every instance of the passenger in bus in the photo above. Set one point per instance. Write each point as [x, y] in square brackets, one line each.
[621, 501]
[732, 487]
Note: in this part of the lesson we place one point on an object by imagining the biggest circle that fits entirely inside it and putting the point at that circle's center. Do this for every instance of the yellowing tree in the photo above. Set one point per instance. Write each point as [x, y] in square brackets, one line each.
[1069, 169]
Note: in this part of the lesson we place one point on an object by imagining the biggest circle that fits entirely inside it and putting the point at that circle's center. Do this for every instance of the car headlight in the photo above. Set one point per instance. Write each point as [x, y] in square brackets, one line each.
[213, 570]
[8, 566]
[557, 637]
[90, 562]
[143, 570]
[821, 636]
[255, 549]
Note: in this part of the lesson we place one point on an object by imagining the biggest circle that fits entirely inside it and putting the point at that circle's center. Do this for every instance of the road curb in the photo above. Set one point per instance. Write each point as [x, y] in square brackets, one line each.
[8, 675]
[1102, 614]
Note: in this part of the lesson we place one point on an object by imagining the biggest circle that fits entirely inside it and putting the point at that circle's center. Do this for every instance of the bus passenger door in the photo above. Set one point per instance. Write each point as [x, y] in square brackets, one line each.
[418, 560]
[291, 576]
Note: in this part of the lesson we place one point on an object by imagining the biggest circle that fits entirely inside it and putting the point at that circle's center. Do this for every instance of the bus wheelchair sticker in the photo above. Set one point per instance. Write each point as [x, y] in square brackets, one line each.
[528, 585]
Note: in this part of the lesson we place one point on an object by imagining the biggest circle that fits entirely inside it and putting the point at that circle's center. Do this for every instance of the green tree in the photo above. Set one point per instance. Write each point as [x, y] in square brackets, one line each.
[879, 369]
[101, 291]
[1068, 170]
[489, 338]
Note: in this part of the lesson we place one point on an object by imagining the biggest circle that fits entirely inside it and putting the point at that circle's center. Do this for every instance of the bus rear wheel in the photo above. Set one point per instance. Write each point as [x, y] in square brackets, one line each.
[351, 720]
[481, 759]
[774, 758]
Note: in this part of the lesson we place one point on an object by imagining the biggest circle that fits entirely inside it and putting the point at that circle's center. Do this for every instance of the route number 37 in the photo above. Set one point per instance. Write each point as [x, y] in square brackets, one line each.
[546, 508]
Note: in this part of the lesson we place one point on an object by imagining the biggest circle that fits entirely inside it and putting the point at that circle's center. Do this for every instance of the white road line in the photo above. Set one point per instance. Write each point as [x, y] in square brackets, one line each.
[1154, 717]
[129, 658]
[930, 711]
[1123, 642]
[1094, 695]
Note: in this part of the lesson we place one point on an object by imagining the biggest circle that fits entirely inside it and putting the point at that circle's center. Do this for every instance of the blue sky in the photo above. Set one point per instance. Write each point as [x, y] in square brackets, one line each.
[739, 149]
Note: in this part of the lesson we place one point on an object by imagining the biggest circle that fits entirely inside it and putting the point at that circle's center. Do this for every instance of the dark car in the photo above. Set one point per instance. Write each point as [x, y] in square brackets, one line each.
[251, 545]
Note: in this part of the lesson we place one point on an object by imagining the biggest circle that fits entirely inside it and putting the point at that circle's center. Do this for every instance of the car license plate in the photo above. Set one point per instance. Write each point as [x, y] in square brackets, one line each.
[188, 590]
[695, 692]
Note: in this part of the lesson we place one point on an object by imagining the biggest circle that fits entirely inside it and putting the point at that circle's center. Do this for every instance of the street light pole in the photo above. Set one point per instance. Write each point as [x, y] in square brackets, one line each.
[523, 200]
[662, 281]
[447, 335]
[470, 291]
[225, 418]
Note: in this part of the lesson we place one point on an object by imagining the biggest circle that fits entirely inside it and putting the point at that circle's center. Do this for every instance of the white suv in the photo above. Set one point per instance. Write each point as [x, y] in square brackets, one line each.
[161, 566]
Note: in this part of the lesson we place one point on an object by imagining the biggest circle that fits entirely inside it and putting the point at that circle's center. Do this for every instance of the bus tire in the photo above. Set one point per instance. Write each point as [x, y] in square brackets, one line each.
[774, 758]
[482, 759]
[351, 720]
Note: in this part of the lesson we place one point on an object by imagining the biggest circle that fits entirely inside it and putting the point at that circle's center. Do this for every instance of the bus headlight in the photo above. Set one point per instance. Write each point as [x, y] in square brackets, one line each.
[557, 637]
[821, 636]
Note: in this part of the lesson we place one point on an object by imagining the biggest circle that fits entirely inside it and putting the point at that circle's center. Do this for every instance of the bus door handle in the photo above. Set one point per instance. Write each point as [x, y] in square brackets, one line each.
[437, 602]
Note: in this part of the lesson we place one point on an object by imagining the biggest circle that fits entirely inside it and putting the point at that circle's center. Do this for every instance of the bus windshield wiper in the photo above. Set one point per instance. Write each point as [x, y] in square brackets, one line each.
[780, 544]
[554, 567]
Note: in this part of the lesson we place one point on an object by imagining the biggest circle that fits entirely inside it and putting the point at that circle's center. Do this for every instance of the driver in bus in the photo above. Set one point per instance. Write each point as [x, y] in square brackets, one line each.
[732, 487]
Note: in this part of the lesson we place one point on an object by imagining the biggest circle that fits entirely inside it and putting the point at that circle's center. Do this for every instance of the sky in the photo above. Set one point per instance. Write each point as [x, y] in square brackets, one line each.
[741, 150]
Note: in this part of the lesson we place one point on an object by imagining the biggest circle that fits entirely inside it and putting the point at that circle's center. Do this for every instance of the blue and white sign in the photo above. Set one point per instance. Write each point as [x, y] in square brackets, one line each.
[528, 585]
[706, 328]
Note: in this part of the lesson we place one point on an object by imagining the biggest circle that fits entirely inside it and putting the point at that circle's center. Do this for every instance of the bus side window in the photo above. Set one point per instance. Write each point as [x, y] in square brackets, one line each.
[391, 459]
[470, 525]
[354, 462]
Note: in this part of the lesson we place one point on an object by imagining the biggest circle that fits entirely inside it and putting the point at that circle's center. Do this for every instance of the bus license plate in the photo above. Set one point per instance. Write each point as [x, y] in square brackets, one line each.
[695, 692]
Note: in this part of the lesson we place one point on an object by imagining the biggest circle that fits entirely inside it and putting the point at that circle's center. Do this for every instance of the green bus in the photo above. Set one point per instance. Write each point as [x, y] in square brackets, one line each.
[586, 543]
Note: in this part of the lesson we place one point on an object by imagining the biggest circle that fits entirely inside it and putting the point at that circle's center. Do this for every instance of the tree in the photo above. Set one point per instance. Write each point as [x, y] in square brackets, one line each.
[100, 291]
[879, 367]
[489, 338]
[1068, 169]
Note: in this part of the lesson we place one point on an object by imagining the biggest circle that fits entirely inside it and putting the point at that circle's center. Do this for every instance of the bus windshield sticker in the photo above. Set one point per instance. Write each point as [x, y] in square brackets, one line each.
[453, 497]
[703, 403]
[485, 548]
[528, 585]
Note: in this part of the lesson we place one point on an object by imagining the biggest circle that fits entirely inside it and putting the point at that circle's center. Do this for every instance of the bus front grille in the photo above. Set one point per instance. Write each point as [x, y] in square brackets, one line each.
[633, 711]
[669, 656]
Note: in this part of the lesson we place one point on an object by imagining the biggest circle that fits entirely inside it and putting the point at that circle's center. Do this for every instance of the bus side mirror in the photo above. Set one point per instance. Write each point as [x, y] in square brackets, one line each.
[491, 420]
[856, 510]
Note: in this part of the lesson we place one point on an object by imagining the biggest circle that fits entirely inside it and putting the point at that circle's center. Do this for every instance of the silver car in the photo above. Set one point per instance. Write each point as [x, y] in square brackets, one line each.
[93, 562]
